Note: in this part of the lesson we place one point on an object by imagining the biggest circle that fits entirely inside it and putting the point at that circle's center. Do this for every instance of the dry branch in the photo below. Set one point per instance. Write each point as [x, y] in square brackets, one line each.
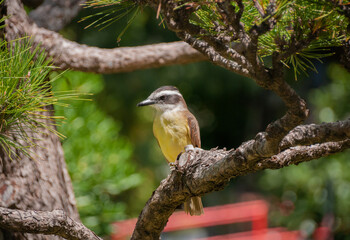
[50, 223]
[317, 133]
[299, 154]
[55, 14]
[208, 171]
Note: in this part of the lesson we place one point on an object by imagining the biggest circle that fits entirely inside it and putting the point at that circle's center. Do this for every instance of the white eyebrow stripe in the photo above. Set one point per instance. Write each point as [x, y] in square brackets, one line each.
[168, 92]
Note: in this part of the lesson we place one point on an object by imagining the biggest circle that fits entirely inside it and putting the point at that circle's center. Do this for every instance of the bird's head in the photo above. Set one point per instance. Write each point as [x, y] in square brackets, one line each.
[164, 99]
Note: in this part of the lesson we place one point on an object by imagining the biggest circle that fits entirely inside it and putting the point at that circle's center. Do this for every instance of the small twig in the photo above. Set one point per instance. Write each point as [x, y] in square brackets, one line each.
[232, 19]
[298, 154]
[159, 8]
[213, 55]
[317, 133]
[268, 21]
[219, 46]
[259, 8]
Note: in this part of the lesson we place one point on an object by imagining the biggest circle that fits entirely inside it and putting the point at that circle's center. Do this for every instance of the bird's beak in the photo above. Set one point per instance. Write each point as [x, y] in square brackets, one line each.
[146, 102]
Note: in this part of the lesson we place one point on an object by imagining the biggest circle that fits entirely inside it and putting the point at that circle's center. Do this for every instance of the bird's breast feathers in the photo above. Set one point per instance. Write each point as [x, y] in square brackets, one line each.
[172, 133]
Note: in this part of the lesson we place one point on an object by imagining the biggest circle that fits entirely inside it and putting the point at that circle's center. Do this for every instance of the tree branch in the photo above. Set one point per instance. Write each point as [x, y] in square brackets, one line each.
[70, 55]
[55, 222]
[207, 171]
[55, 14]
[213, 55]
[268, 21]
[259, 8]
[232, 19]
[299, 154]
[317, 133]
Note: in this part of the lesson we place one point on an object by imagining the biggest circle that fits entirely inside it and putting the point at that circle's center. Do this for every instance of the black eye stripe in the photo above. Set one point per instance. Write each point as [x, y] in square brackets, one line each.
[170, 99]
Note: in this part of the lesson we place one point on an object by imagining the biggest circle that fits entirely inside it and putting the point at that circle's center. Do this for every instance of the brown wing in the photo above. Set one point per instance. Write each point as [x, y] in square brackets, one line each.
[194, 131]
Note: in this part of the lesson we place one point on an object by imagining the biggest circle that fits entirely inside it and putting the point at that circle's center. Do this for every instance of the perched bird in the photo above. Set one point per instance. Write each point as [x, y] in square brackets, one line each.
[174, 127]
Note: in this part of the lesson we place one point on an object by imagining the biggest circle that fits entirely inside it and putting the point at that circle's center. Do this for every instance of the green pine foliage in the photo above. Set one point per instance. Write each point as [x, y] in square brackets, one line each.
[98, 157]
[25, 93]
[110, 11]
[316, 23]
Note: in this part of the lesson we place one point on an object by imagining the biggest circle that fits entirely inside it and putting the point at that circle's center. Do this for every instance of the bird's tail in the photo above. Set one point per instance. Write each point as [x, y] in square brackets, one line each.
[194, 206]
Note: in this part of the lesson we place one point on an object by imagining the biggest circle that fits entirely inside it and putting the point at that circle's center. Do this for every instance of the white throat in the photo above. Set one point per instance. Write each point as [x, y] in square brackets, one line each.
[168, 108]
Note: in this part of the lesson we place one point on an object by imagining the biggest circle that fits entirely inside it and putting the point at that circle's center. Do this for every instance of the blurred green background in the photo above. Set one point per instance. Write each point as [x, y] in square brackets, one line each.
[115, 162]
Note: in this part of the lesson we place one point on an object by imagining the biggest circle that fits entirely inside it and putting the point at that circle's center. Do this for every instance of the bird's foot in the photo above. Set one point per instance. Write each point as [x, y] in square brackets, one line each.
[172, 166]
[175, 166]
[189, 147]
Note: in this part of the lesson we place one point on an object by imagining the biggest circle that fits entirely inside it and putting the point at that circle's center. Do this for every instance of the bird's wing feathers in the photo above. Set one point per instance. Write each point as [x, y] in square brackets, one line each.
[194, 131]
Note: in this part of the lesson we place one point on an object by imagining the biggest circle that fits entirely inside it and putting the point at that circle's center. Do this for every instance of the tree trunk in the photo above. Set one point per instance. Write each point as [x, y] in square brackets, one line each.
[38, 183]
[41, 183]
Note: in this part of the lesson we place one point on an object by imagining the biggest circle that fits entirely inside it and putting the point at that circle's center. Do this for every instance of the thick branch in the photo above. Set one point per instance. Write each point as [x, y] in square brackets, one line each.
[55, 14]
[55, 222]
[209, 171]
[70, 55]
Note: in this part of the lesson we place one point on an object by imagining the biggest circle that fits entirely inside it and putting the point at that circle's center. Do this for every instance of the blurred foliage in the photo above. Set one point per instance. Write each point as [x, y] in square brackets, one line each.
[317, 191]
[98, 158]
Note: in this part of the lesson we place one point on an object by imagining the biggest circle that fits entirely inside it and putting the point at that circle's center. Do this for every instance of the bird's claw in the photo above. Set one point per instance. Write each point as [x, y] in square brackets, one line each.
[172, 166]
[181, 164]
[175, 166]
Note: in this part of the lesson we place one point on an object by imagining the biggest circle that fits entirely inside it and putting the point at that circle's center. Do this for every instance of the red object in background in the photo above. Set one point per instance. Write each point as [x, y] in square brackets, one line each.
[255, 212]
[322, 233]
[267, 234]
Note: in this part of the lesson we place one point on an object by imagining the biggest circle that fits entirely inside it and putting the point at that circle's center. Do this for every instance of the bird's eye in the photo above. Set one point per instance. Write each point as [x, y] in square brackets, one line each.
[162, 97]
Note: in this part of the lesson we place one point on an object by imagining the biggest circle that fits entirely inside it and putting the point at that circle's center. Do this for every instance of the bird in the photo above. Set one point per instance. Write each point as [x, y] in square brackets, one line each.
[174, 127]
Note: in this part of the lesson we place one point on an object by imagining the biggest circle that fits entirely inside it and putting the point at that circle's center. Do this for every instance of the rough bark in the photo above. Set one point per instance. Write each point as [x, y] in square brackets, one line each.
[55, 222]
[55, 14]
[38, 183]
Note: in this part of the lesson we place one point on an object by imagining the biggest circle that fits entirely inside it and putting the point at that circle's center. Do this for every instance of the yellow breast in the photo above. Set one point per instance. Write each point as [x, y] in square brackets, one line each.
[172, 133]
